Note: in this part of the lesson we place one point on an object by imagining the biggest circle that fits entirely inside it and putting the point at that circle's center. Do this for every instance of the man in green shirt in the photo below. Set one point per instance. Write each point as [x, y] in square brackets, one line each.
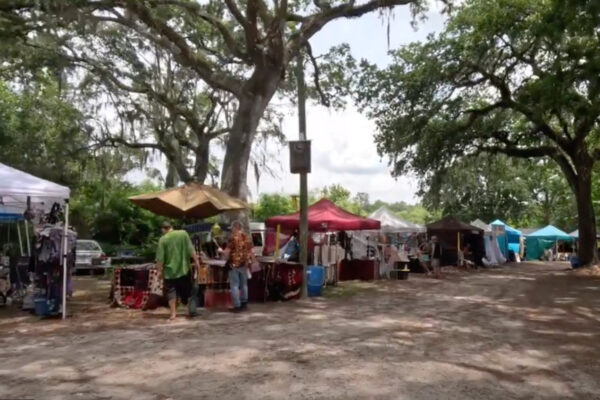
[173, 262]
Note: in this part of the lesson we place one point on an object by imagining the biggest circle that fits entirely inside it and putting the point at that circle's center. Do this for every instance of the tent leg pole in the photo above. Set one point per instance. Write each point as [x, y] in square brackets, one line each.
[65, 243]
[20, 239]
[27, 239]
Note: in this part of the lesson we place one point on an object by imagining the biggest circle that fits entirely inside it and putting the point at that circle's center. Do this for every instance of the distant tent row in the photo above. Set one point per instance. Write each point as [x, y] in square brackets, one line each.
[510, 239]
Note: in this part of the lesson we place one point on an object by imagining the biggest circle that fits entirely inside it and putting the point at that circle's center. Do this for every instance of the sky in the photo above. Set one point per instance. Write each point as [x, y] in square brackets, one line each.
[342, 141]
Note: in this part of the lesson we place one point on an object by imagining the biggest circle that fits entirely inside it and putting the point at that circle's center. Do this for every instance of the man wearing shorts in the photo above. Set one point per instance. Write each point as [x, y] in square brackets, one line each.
[173, 262]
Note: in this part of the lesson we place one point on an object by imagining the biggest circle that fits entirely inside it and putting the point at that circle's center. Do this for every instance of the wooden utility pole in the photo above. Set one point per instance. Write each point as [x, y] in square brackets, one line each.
[303, 176]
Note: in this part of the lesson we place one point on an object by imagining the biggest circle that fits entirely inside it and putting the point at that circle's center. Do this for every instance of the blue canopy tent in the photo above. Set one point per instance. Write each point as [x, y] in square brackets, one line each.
[543, 239]
[10, 218]
[511, 240]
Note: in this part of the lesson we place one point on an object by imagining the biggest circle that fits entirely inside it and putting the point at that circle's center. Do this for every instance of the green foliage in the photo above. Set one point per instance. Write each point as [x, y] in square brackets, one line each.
[499, 79]
[341, 197]
[513, 77]
[270, 205]
[523, 193]
[40, 132]
[102, 211]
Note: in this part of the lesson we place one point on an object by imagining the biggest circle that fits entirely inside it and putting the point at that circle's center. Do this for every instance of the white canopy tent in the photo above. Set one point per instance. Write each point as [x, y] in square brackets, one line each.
[18, 188]
[392, 224]
[493, 255]
[487, 228]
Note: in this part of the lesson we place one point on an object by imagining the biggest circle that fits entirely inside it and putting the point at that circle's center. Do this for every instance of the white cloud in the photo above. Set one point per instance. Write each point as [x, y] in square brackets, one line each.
[343, 152]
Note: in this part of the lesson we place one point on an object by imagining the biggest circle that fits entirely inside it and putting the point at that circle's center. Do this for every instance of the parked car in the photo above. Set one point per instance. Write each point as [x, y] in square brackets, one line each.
[89, 256]
[127, 256]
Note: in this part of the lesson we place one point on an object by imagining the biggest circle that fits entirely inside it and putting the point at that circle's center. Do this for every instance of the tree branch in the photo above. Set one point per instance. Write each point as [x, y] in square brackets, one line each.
[183, 52]
[519, 152]
[315, 22]
[316, 75]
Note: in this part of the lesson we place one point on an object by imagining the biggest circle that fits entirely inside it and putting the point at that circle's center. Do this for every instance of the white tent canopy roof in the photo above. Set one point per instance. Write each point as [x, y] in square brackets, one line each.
[487, 228]
[16, 186]
[391, 223]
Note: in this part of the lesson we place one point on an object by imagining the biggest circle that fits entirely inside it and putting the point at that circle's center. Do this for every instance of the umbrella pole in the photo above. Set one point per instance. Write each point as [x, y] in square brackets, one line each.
[278, 230]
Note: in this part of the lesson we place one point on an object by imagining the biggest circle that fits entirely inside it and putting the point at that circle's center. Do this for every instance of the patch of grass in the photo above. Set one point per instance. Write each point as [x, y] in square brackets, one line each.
[348, 289]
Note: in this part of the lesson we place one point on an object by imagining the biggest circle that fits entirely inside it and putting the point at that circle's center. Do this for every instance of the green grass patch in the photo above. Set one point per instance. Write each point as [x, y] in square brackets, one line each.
[348, 289]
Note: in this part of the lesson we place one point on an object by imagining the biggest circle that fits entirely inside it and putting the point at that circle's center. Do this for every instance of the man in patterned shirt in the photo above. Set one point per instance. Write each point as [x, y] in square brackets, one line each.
[240, 256]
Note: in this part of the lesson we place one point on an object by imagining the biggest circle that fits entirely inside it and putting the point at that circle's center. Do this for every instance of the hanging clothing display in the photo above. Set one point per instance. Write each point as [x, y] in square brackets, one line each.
[49, 267]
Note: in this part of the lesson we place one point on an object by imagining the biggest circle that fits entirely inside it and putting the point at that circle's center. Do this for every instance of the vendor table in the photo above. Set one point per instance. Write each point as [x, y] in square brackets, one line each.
[139, 286]
[365, 270]
[277, 280]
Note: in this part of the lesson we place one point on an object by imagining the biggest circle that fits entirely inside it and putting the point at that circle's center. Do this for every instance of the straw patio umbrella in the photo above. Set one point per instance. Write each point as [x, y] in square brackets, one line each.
[192, 200]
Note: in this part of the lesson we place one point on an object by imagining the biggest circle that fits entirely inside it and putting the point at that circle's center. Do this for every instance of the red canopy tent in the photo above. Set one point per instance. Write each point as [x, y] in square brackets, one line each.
[324, 216]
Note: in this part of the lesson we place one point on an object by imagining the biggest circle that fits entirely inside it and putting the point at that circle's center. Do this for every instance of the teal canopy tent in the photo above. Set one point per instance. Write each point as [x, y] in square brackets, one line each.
[543, 239]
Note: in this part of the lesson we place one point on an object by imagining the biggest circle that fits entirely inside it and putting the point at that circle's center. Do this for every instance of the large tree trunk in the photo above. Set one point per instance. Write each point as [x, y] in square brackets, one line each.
[252, 104]
[587, 219]
[202, 161]
[172, 177]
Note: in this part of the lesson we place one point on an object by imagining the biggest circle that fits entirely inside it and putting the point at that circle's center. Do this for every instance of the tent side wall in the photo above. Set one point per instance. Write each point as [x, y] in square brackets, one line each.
[536, 247]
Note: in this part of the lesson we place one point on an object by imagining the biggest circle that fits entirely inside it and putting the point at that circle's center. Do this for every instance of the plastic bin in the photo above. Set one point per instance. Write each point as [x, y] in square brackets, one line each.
[314, 280]
[41, 306]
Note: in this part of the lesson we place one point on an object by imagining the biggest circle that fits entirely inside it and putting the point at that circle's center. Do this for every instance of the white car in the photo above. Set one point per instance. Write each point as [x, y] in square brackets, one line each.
[89, 256]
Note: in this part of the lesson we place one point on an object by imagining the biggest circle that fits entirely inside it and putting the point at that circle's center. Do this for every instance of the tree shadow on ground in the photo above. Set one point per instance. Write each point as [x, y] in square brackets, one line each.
[515, 332]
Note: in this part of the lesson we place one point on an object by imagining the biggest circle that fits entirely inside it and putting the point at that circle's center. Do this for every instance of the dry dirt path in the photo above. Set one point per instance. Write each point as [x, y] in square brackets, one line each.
[520, 332]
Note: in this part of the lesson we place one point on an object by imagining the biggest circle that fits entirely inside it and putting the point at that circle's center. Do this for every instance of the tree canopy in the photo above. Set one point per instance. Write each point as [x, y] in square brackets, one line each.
[225, 55]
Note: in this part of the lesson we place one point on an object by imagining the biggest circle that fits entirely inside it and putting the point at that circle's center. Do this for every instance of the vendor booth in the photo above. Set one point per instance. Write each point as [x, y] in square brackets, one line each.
[42, 203]
[138, 286]
[510, 240]
[545, 239]
[399, 243]
[453, 235]
[325, 219]
[493, 255]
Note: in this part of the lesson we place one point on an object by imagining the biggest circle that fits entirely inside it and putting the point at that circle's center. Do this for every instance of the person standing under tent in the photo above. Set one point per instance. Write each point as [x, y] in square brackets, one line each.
[424, 255]
[436, 255]
[175, 249]
[240, 256]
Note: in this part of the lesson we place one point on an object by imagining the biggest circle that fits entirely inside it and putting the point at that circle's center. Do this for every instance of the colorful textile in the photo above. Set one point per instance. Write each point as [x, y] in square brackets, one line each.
[131, 293]
[174, 251]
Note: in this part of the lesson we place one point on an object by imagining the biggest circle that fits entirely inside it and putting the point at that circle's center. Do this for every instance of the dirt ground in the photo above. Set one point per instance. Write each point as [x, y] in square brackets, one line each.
[530, 331]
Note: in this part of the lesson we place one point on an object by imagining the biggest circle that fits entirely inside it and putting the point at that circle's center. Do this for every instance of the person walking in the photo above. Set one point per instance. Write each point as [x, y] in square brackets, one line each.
[436, 255]
[173, 262]
[239, 250]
